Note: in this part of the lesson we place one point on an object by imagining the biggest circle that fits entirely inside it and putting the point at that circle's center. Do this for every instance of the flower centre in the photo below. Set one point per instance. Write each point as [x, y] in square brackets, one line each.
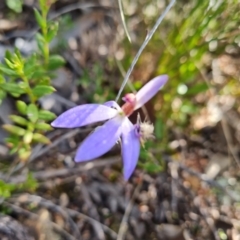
[128, 107]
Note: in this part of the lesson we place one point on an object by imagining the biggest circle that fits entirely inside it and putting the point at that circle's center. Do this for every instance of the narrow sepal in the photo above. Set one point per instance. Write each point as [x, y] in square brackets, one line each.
[83, 115]
[149, 90]
[130, 148]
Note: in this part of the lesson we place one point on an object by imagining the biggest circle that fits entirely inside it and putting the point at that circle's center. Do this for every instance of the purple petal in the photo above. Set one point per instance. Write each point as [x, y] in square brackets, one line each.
[112, 104]
[149, 90]
[130, 148]
[100, 141]
[83, 115]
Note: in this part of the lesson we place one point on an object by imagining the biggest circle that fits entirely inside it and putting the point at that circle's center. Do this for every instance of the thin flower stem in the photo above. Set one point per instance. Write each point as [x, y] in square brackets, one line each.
[123, 20]
[130, 85]
[148, 38]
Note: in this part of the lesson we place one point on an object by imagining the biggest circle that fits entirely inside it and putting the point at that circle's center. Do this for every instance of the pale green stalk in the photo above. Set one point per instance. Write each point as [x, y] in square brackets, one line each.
[123, 20]
[147, 39]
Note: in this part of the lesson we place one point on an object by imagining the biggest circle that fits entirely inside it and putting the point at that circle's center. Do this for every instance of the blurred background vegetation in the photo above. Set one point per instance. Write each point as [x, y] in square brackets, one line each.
[73, 52]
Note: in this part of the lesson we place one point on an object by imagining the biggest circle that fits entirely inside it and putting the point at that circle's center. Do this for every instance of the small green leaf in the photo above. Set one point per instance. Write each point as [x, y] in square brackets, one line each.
[46, 115]
[198, 88]
[12, 88]
[8, 71]
[10, 64]
[39, 18]
[28, 72]
[27, 139]
[46, 80]
[43, 126]
[14, 129]
[38, 73]
[30, 66]
[37, 137]
[13, 150]
[12, 141]
[32, 112]
[8, 55]
[152, 167]
[52, 31]
[15, 5]
[55, 61]
[22, 107]
[42, 90]
[19, 120]
[17, 56]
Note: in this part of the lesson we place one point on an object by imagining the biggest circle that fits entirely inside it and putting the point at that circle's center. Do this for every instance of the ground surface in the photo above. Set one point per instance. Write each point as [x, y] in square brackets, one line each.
[195, 195]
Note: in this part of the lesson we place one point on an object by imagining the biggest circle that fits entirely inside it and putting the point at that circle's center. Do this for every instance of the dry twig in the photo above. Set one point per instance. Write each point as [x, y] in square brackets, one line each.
[123, 226]
[40, 201]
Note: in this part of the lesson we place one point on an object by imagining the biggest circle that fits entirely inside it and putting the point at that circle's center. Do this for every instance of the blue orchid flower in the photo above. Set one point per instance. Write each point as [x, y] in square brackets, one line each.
[117, 127]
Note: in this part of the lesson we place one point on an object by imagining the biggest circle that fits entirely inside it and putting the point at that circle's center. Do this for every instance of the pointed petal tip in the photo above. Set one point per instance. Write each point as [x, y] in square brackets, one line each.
[150, 89]
[58, 124]
[78, 160]
[127, 173]
[162, 79]
[126, 176]
[54, 124]
[80, 156]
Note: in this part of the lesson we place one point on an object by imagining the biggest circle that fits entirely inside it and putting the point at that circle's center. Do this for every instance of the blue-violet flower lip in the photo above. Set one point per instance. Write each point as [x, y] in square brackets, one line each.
[101, 140]
[130, 148]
